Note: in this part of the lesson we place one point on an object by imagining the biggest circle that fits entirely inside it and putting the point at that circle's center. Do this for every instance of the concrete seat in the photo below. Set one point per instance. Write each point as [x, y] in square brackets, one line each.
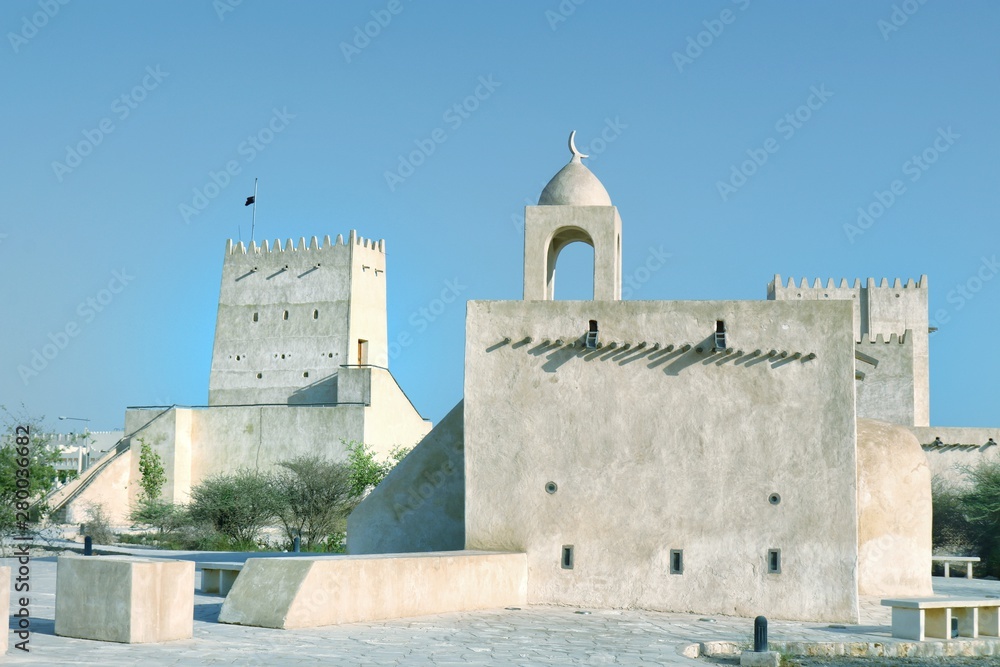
[920, 618]
[218, 577]
[124, 599]
[947, 560]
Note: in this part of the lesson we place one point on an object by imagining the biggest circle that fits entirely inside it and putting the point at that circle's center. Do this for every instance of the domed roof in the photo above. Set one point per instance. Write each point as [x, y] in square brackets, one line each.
[574, 185]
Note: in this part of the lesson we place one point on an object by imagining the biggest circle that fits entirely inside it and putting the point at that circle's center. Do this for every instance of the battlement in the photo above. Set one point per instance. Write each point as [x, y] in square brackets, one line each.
[817, 284]
[891, 339]
[265, 247]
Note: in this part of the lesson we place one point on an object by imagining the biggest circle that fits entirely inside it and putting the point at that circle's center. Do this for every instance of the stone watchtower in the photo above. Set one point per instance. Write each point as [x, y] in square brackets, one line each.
[574, 206]
[290, 318]
[891, 343]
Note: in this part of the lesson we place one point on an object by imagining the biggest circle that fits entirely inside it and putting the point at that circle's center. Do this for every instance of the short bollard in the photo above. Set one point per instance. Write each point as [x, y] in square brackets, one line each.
[760, 634]
[88, 546]
[296, 544]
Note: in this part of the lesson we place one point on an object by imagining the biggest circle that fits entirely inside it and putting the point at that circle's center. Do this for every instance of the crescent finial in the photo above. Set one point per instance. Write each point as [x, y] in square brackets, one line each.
[572, 146]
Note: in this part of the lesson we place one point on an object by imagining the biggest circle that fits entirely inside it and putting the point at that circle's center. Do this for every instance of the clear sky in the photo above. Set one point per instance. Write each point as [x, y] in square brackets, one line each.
[435, 128]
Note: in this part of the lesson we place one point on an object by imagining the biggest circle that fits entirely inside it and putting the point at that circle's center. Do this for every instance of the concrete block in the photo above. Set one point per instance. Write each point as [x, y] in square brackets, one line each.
[762, 659]
[310, 592]
[5, 595]
[124, 599]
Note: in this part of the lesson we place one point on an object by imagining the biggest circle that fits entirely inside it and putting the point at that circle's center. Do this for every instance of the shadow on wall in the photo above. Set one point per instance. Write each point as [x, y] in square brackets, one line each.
[321, 391]
[672, 358]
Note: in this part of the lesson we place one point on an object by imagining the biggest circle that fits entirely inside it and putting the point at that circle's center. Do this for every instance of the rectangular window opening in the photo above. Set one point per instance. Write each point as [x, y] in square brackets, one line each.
[255, 317]
[362, 352]
[720, 335]
[567, 557]
[591, 339]
[676, 561]
[774, 561]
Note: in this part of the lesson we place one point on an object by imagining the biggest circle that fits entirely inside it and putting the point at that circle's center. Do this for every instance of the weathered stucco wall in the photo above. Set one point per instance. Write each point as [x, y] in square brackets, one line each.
[654, 451]
[894, 521]
[880, 309]
[391, 420]
[420, 505]
[293, 316]
[110, 489]
[169, 435]
[950, 448]
[886, 392]
[226, 439]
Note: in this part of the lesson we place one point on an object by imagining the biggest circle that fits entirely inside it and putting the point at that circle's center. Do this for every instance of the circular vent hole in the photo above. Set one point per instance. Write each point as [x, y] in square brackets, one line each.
[774, 499]
[551, 487]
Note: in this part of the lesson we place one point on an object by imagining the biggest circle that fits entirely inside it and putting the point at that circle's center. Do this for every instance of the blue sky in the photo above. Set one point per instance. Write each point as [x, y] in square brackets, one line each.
[668, 97]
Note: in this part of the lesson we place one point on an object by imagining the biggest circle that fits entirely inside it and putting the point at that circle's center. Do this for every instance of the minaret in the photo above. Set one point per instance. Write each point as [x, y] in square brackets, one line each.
[574, 206]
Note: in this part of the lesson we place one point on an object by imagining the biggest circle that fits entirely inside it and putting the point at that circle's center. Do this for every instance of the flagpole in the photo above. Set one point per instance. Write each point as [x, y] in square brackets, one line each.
[253, 219]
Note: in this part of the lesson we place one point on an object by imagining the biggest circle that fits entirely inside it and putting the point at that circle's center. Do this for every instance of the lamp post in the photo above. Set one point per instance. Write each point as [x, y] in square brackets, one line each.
[83, 463]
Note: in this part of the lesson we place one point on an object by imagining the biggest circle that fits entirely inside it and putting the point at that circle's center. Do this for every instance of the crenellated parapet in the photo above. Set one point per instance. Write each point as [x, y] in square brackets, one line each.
[906, 338]
[778, 288]
[276, 246]
[892, 313]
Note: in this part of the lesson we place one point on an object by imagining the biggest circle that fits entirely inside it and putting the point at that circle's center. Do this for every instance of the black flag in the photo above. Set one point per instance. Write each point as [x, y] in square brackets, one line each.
[250, 200]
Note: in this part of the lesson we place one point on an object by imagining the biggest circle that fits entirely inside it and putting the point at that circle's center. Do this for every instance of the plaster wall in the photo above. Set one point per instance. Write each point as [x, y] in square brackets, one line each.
[391, 420]
[259, 437]
[959, 446]
[652, 452]
[169, 435]
[887, 391]
[293, 316]
[420, 505]
[548, 229]
[368, 306]
[110, 488]
[894, 522]
[880, 310]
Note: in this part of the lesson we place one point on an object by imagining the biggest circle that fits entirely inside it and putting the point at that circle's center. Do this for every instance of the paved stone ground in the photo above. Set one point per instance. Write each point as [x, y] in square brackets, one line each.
[536, 635]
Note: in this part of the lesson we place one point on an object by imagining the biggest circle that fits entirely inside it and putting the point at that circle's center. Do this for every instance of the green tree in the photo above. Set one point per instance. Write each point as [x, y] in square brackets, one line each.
[27, 470]
[238, 505]
[152, 475]
[950, 528]
[316, 496]
[366, 470]
[980, 504]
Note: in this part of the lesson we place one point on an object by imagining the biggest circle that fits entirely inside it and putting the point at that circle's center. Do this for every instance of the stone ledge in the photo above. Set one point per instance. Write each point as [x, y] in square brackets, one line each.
[288, 593]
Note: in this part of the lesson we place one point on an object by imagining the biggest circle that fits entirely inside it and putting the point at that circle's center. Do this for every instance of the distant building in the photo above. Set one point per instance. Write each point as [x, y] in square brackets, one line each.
[77, 450]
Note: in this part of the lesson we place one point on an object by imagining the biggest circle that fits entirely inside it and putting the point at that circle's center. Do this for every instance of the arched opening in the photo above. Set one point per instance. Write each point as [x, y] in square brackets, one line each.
[572, 250]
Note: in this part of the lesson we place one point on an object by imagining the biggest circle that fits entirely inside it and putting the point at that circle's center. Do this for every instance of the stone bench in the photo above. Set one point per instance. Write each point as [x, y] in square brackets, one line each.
[124, 599]
[968, 560]
[218, 577]
[920, 618]
[296, 592]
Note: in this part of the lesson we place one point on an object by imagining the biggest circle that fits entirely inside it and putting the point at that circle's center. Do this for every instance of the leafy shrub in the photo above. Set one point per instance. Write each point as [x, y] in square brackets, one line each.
[316, 496]
[98, 526]
[239, 505]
